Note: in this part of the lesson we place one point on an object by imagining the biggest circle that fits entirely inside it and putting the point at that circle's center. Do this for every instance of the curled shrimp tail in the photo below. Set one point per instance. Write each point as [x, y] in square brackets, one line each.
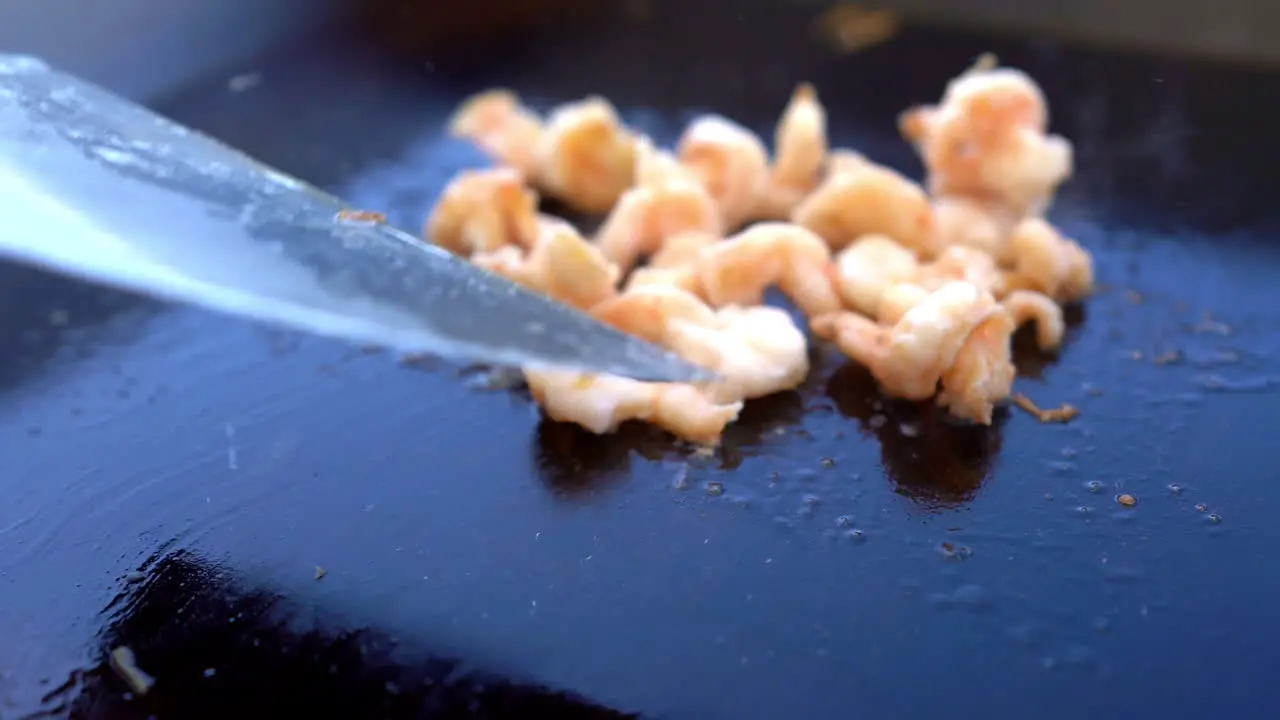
[981, 372]
[1026, 306]
[859, 338]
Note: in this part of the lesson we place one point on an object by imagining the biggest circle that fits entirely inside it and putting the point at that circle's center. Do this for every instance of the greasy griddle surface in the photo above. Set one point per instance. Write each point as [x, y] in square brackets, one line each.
[841, 555]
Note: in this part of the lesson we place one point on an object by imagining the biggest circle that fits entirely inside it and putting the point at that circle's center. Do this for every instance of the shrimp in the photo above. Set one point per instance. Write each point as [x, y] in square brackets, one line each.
[958, 337]
[585, 157]
[1047, 262]
[1027, 306]
[561, 265]
[600, 403]
[675, 264]
[656, 167]
[500, 125]
[482, 211]
[869, 199]
[762, 351]
[739, 270]
[874, 265]
[970, 223]
[800, 147]
[986, 139]
[732, 163]
[868, 267]
[962, 263]
[667, 201]
[756, 351]
[843, 160]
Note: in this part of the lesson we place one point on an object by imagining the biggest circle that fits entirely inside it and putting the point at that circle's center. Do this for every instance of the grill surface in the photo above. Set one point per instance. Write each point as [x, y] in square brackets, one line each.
[841, 555]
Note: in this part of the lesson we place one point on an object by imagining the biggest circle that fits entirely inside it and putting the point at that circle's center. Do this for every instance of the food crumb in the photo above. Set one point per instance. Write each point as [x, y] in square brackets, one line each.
[1168, 358]
[125, 665]
[365, 217]
[1209, 325]
[1133, 354]
[244, 81]
[320, 572]
[1061, 414]
[1133, 296]
[1126, 500]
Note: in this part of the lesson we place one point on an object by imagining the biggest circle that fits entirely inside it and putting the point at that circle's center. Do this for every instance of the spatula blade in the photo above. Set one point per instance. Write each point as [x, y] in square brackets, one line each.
[97, 187]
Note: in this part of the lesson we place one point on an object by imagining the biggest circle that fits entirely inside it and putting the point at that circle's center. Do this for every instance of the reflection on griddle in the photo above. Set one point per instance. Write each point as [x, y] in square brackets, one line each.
[42, 314]
[929, 457]
[220, 650]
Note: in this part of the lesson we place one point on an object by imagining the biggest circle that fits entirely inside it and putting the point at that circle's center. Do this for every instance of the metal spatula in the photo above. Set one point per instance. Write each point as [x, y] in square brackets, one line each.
[94, 186]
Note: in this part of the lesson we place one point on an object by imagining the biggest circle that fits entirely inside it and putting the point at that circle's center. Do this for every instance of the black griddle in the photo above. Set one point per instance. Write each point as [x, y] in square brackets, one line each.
[173, 480]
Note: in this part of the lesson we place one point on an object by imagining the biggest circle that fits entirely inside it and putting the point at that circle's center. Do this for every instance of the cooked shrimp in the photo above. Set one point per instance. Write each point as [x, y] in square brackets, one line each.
[561, 264]
[869, 200]
[1027, 306]
[897, 301]
[683, 248]
[962, 263]
[482, 211]
[843, 160]
[800, 154]
[986, 139]
[756, 351]
[731, 161]
[648, 214]
[882, 279]
[761, 349]
[982, 373]
[1047, 262]
[600, 403]
[656, 166]
[500, 125]
[675, 264]
[868, 267]
[957, 335]
[585, 157]
[970, 223]
[737, 271]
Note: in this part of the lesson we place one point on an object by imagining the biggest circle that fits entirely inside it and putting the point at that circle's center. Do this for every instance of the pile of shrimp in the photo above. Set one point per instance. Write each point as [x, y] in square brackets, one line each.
[924, 284]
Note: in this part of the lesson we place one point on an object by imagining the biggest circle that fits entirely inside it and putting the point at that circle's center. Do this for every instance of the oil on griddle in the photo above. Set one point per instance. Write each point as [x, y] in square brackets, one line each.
[840, 553]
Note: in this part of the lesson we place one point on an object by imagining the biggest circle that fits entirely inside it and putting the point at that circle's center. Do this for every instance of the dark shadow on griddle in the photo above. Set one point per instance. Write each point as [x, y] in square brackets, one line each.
[474, 34]
[574, 463]
[939, 463]
[1031, 361]
[45, 316]
[219, 649]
